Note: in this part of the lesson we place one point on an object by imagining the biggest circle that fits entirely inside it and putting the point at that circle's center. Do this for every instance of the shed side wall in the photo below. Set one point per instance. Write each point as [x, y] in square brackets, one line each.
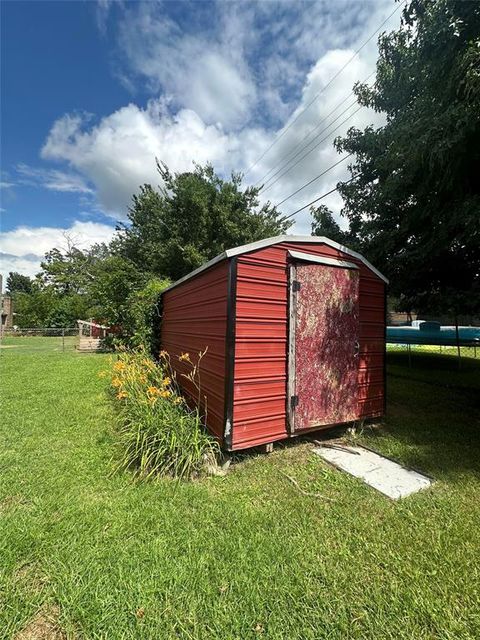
[194, 316]
[261, 342]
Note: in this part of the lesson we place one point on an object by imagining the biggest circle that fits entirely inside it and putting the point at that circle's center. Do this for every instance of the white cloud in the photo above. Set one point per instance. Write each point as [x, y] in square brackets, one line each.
[23, 248]
[293, 144]
[28, 265]
[203, 71]
[118, 154]
[52, 179]
[102, 10]
[221, 87]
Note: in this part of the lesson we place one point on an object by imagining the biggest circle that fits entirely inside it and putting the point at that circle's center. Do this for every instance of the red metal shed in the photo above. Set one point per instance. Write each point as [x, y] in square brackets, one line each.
[295, 330]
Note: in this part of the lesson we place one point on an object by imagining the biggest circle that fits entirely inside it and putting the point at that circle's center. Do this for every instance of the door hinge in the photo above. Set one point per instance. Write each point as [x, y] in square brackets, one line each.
[296, 285]
[293, 401]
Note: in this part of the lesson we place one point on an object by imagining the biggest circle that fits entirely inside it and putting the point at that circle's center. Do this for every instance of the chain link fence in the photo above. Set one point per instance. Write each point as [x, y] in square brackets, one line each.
[47, 339]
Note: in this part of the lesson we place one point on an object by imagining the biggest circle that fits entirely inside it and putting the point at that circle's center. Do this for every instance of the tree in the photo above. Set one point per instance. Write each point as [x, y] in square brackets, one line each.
[113, 281]
[66, 310]
[32, 309]
[17, 282]
[124, 296]
[70, 271]
[193, 218]
[414, 200]
[324, 224]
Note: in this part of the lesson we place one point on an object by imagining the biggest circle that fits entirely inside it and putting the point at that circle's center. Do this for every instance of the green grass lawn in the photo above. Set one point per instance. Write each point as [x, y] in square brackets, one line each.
[91, 555]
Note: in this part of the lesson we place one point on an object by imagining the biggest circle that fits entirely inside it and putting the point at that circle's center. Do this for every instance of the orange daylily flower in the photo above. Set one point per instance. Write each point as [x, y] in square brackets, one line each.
[153, 391]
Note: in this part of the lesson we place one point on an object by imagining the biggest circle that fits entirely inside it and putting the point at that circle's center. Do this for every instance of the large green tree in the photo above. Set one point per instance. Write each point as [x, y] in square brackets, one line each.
[414, 200]
[18, 282]
[324, 224]
[114, 280]
[191, 219]
[45, 307]
[71, 270]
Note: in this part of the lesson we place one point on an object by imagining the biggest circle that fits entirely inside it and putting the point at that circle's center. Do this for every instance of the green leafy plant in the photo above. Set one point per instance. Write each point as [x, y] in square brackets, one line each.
[413, 197]
[158, 433]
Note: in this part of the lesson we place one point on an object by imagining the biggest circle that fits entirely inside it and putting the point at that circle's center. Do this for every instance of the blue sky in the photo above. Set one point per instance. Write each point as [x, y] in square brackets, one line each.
[92, 92]
[54, 61]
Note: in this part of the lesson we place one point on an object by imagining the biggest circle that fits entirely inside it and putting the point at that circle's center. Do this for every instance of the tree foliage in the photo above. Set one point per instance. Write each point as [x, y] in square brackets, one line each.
[71, 271]
[193, 218]
[44, 307]
[16, 282]
[324, 224]
[414, 201]
[33, 309]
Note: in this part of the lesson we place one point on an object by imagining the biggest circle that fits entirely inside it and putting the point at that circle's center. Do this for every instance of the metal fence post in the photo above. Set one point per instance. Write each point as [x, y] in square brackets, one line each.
[457, 336]
[63, 339]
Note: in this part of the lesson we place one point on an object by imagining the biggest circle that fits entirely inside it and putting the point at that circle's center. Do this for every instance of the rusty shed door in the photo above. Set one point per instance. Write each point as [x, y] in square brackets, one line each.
[324, 343]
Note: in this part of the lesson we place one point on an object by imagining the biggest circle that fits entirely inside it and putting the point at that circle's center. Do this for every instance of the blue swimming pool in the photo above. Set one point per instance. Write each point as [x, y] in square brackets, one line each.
[434, 335]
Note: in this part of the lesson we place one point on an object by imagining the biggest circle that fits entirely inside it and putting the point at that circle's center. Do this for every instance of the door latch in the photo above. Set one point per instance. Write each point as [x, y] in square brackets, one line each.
[293, 402]
[296, 286]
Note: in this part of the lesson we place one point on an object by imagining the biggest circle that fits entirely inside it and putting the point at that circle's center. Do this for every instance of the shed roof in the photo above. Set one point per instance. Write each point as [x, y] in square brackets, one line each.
[267, 242]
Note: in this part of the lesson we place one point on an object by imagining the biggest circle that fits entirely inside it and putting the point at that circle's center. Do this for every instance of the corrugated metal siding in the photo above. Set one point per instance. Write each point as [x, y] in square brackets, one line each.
[194, 316]
[259, 413]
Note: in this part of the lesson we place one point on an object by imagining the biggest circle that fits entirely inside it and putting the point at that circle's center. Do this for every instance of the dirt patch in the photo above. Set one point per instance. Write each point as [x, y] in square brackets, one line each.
[43, 626]
[31, 578]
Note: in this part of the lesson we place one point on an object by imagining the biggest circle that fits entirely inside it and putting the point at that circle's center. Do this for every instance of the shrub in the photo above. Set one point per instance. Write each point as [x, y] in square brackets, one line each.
[144, 316]
[159, 434]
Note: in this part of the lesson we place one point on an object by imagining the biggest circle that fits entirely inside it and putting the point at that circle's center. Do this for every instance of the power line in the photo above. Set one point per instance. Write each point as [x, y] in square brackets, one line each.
[310, 151]
[299, 144]
[316, 200]
[322, 90]
[314, 179]
[315, 146]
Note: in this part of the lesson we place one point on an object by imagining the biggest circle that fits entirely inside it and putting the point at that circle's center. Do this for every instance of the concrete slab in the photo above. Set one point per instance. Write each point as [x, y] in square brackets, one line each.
[385, 475]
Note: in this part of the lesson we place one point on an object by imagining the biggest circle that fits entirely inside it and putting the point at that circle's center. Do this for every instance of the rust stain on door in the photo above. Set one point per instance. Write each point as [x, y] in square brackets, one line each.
[326, 345]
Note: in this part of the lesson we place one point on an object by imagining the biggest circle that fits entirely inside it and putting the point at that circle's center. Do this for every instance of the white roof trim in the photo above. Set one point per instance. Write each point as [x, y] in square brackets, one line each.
[331, 262]
[261, 244]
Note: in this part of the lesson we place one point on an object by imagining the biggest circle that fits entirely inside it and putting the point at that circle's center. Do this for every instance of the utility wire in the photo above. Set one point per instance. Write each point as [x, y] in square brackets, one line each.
[310, 151]
[314, 147]
[307, 135]
[323, 89]
[314, 179]
[290, 215]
